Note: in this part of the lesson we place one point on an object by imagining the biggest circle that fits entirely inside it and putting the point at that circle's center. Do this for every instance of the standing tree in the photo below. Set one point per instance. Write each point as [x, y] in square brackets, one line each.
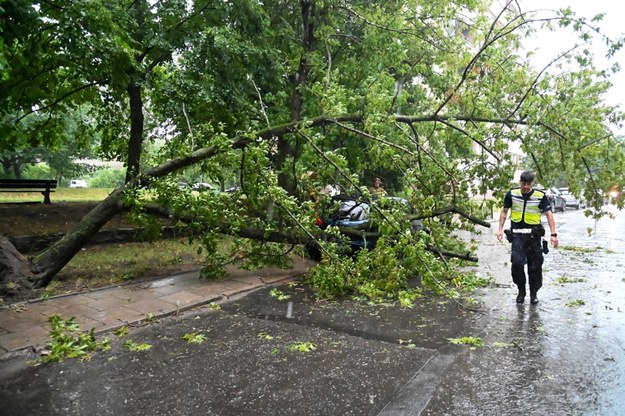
[431, 93]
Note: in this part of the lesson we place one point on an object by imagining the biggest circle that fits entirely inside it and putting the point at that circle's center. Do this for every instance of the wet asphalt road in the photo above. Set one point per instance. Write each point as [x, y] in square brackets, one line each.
[564, 356]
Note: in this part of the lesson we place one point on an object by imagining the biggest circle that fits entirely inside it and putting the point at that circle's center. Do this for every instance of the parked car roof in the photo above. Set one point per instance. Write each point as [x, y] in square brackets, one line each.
[353, 212]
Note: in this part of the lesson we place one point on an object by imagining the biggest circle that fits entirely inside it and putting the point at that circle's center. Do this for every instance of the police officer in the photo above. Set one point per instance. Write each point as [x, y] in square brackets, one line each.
[526, 232]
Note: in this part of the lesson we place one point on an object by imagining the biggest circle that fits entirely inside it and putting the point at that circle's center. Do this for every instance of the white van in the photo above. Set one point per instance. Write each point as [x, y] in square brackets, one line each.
[78, 183]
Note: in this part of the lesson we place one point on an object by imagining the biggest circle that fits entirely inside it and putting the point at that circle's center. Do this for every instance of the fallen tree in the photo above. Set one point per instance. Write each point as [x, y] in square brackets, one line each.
[291, 98]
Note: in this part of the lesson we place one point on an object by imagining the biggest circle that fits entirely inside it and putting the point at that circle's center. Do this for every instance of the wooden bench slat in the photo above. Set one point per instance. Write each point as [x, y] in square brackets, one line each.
[27, 186]
[27, 180]
[23, 190]
[45, 186]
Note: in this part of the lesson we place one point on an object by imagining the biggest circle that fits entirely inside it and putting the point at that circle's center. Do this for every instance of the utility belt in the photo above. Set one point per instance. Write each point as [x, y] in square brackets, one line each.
[536, 231]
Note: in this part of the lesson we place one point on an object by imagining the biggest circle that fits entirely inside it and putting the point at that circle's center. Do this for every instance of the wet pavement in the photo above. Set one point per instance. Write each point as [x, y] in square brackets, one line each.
[564, 356]
[25, 325]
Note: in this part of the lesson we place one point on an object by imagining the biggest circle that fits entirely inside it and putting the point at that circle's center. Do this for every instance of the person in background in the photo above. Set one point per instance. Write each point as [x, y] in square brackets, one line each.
[376, 190]
[526, 205]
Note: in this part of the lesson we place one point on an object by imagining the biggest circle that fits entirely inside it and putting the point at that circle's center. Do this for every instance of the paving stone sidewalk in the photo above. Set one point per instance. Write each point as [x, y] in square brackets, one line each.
[25, 325]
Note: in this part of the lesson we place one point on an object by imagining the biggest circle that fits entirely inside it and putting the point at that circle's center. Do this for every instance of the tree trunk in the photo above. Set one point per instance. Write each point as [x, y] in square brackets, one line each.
[42, 269]
[14, 270]
[6, 165]
[136, 131]
[286, 149]
[17, 167]
[135, 144]
[47, 264]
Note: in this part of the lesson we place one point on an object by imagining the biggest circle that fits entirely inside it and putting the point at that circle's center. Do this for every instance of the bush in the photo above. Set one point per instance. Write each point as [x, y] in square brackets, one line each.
[38, 171]
[107, 178]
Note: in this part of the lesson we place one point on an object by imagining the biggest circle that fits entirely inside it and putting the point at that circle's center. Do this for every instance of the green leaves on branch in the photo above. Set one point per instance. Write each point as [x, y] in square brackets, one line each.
[242, 93]
[69, 342]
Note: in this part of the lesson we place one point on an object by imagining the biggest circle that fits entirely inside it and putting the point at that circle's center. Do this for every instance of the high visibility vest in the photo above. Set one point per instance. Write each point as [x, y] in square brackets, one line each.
[526, 210]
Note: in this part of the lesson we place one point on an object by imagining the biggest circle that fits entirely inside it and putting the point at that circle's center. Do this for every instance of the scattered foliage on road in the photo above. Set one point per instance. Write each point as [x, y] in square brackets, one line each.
[121, 332]
[301, 347]
[69, 342]
[278, 294]
[135, 347]
[471, 341]
[564, 279]
[575, 303]
[194, 337]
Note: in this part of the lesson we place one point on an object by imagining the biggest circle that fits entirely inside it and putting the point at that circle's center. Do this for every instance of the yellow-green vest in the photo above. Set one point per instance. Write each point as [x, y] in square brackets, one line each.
[523, 210]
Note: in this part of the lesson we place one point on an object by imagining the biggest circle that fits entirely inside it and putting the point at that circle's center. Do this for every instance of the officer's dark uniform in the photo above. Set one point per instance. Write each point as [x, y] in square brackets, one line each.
[526, 211]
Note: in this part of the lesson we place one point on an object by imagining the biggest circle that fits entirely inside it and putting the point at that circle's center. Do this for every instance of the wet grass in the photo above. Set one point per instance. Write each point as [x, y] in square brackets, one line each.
[111, 264]
[60, 195]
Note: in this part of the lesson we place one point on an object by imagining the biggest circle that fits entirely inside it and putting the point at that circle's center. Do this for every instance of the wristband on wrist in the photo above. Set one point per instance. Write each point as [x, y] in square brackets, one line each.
[554, 234]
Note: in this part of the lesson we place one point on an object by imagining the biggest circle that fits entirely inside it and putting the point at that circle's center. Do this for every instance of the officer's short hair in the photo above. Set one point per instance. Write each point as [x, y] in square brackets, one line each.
[528, 176]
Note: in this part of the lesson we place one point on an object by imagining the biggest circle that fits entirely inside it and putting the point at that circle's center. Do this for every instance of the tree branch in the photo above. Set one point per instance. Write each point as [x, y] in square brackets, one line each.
[280, 237]
[63, 97]
[453, 209]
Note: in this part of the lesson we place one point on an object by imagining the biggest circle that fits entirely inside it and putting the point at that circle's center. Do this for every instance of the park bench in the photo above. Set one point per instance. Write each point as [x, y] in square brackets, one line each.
[45, 186]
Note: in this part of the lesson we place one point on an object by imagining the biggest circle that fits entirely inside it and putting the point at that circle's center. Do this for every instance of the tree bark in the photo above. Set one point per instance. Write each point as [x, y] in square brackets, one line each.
[47, 264]
[14, 271]
[294, 238]
[288, 151]
[17, 167]
[136, 131]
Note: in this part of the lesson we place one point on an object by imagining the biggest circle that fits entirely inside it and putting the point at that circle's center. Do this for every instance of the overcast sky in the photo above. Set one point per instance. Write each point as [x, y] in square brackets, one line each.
[550, 45]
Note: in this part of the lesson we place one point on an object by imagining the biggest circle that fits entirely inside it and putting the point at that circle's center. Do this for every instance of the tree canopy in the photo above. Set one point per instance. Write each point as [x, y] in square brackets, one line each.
[288, 97]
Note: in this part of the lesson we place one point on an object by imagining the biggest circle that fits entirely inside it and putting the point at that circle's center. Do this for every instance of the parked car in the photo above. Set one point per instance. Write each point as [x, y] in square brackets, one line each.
[569, 198]
[354, 214]
[202, 186]
[78, 183]
[558, 203]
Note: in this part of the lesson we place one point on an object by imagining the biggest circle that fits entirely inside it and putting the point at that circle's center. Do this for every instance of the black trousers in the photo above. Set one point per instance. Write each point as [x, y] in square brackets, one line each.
[527, 249]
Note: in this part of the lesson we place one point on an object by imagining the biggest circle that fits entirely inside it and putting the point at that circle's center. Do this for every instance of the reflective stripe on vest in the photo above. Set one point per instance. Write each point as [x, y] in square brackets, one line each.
[523, 210]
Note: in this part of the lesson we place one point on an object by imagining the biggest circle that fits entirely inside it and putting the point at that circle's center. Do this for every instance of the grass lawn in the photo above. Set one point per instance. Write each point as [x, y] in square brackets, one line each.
[104, 265]
[60, 195]
[100, 265]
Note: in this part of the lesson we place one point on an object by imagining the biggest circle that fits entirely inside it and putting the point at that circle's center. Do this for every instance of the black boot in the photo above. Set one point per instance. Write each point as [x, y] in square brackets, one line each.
[533, 297]
[520, 298]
